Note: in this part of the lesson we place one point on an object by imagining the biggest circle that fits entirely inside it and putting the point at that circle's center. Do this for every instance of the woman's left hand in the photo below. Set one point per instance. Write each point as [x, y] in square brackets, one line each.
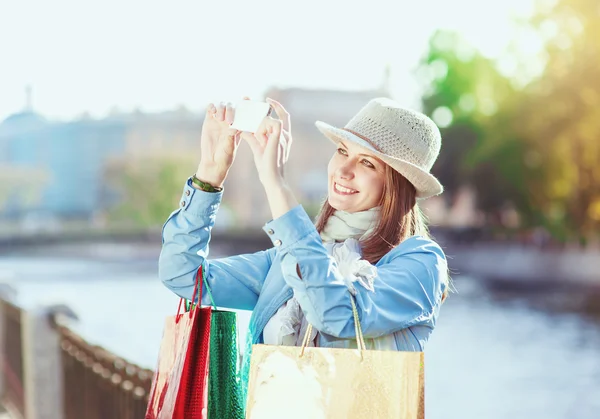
[271, 146]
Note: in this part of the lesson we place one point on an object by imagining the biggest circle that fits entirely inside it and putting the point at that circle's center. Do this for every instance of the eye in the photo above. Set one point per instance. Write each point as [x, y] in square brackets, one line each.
[368, 164]
[342, 151]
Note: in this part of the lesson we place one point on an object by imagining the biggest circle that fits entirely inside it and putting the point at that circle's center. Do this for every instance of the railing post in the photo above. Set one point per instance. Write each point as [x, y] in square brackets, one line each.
[42, 362]
[2, 343]
[7, 293]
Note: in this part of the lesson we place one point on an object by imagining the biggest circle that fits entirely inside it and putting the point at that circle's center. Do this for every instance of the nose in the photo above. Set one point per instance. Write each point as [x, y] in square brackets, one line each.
[346, 171]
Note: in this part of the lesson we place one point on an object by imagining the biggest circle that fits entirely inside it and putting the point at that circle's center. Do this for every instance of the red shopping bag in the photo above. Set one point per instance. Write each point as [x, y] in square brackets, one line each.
[180, 383]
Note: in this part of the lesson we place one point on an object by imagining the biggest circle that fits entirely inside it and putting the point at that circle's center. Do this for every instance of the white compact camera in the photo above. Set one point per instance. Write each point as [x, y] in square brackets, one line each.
[249, 114]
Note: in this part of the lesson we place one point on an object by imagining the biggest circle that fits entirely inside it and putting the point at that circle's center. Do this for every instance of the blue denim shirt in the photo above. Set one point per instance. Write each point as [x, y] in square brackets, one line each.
[402, 310]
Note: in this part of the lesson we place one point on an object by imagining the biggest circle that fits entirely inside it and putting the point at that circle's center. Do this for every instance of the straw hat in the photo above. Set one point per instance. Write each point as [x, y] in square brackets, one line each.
[406, 140]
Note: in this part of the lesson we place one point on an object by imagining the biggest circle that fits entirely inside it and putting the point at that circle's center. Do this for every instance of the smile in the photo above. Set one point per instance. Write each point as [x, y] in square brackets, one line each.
[343, 190]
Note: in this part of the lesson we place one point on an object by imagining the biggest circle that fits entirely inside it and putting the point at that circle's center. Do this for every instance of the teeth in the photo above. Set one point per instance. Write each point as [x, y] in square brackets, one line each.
[342, 189]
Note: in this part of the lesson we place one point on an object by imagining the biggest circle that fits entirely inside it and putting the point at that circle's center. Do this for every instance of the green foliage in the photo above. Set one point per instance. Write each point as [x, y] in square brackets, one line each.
[535, 146]
[149, 188]
[559, 118]
[460, 80]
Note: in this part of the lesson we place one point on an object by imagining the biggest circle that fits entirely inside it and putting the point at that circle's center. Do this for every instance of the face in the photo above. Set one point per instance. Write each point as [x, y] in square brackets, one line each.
[356, 178]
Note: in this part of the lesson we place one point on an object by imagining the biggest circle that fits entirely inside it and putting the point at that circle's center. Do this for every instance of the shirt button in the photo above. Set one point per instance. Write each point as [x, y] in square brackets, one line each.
[277, 242]
[183, 203]
[271, 231]
[187, 192]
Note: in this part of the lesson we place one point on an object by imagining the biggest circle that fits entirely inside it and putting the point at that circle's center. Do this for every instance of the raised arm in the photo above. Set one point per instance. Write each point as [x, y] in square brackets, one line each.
[235, 281]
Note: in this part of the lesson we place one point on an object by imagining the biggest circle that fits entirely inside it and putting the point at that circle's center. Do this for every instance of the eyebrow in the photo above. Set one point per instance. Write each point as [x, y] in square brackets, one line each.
[362, 154]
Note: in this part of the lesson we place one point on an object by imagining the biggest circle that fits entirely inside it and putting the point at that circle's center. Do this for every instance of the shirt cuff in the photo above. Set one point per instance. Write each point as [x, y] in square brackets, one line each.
[199, 202]
[292, 226]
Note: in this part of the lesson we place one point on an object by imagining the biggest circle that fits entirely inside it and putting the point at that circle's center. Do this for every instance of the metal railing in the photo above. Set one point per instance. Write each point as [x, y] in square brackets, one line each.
[94, 382]
[12, 358]
[99, 384]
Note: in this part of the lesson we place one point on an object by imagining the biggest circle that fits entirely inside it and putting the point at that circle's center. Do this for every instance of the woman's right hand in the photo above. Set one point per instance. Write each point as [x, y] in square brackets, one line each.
[218, 144]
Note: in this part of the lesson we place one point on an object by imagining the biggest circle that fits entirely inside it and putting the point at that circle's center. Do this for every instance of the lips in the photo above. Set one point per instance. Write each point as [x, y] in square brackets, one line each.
[342, 190]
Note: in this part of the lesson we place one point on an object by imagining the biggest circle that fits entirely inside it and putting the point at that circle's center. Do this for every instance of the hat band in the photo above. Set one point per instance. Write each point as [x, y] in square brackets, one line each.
[362, 137]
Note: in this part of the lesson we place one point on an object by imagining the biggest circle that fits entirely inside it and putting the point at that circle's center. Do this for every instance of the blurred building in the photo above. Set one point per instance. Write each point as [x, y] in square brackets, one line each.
[62, 169]
[66, 158]
[58, 169]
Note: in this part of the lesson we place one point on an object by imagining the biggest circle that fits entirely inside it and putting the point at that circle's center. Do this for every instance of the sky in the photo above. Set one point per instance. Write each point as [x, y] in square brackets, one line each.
[93, 56]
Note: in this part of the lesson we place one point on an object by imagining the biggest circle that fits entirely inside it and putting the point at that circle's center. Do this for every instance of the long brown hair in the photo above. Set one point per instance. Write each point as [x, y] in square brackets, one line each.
[400, 218]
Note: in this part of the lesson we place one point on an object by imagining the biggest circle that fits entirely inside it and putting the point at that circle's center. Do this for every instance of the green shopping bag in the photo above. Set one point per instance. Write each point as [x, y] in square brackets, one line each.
[224, 386]
[225, 399]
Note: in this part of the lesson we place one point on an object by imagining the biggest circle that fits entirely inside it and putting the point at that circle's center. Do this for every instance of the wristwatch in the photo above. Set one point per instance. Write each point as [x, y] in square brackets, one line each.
[206, 187]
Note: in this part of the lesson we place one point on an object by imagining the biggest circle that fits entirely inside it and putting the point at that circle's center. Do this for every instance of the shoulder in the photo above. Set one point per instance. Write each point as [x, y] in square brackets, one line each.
[418, 247]
[420, 254]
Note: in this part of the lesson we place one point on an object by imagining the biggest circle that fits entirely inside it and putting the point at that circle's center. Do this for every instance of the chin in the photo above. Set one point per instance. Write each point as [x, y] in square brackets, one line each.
[338, 206]
[333, 204]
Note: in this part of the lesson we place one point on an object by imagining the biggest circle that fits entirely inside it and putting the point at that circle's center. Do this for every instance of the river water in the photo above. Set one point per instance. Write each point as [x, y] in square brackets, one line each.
[489, 357]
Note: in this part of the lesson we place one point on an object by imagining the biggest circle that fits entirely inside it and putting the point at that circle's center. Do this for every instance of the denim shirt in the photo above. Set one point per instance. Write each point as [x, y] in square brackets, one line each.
[401, 312]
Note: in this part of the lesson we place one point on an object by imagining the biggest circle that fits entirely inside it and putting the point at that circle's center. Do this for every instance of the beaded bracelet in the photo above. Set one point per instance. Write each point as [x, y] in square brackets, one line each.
[206, 187]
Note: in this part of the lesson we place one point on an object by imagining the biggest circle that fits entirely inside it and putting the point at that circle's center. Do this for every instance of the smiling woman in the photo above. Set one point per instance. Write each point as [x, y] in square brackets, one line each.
[356, 180]
[384, 192]
[369, 241]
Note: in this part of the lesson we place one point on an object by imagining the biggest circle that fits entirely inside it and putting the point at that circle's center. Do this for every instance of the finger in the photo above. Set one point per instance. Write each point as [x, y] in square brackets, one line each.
[245, 135]
[220, 114]
[281, 154]
[238, 138]
[284, 143]
[262, 131]
[288, 144]
[210, 110]
[229, 113]
[273, 141]
[231, 133]
[281, 113]
[252, 141]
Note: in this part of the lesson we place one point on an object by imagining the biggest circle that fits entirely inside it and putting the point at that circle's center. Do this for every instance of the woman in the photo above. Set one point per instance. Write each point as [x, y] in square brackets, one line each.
[379, 169]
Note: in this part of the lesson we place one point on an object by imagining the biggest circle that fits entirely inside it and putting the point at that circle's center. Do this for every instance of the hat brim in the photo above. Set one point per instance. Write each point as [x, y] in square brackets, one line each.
[424, 182]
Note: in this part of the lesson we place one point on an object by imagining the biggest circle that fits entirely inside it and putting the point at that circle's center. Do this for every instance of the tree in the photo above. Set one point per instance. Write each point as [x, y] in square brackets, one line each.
[149, 188]
[464, 91]
[535, 144]
[559, 119]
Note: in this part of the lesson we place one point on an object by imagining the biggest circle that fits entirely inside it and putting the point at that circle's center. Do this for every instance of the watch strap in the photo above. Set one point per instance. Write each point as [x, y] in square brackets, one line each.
[205, 186]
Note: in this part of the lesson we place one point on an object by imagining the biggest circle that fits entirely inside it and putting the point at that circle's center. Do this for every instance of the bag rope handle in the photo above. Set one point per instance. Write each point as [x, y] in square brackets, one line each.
[189, 304]
[360, 340]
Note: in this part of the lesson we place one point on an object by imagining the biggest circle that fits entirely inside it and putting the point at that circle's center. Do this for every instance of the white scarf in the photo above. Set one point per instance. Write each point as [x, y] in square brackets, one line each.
[340, 237]
[343, 225]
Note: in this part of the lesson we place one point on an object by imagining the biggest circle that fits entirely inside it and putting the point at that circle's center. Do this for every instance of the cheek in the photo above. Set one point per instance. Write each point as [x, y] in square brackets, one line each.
[380, 191]
[375, 185]
[331, 167]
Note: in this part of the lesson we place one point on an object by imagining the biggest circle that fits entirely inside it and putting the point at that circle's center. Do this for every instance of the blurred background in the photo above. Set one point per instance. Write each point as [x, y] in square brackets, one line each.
[101, 108]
